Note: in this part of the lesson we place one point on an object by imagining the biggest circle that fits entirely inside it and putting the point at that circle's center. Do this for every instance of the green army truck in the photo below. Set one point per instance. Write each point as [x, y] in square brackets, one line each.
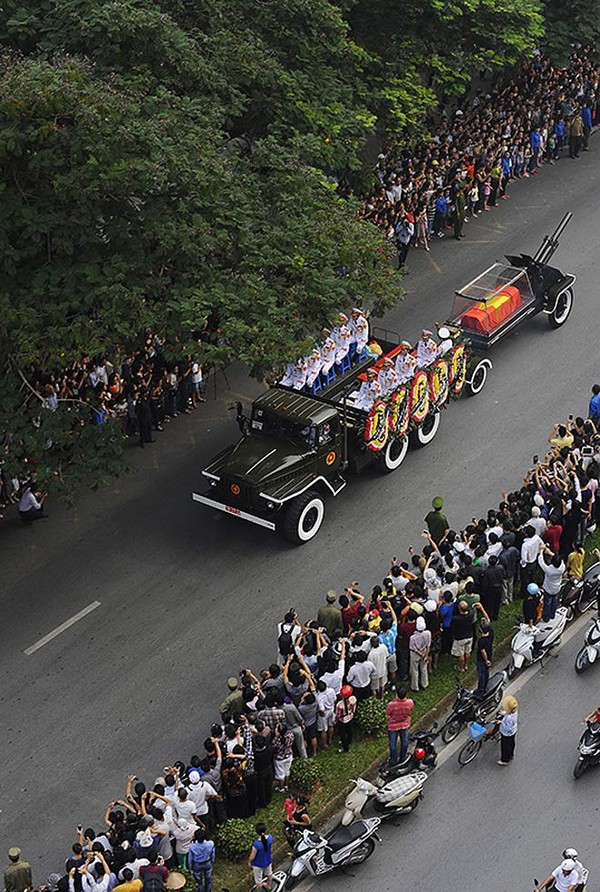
[297, 447]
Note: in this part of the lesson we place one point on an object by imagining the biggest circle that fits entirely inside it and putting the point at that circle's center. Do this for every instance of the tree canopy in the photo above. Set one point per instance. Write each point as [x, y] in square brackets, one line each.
[166, 161]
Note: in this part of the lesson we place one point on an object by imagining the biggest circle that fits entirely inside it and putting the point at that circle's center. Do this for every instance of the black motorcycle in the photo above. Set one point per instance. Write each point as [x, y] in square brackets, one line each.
[589, 748]
[422, 758]
[470, 707]
[578, 595]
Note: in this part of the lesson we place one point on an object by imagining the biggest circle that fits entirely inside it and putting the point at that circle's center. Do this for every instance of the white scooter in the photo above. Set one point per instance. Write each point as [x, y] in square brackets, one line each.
[591, 647]
[397, 797]
[315, 854]
[532, 643]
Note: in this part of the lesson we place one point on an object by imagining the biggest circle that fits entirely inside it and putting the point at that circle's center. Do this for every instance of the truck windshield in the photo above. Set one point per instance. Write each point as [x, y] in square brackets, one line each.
[277, 426]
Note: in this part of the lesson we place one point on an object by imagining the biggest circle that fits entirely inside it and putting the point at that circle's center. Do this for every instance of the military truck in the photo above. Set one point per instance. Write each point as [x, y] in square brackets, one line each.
[297, 447]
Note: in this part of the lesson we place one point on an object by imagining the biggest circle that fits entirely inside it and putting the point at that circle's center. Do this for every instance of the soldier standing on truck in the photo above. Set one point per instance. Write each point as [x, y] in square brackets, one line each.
[437, 523]
[406, 364]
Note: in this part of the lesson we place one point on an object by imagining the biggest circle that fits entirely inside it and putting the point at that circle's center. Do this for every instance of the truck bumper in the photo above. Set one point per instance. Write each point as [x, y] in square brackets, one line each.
[236, 512]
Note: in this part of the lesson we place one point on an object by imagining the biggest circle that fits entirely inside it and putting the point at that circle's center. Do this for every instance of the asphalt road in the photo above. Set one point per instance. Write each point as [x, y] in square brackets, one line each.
[188, 598]
[484, 827]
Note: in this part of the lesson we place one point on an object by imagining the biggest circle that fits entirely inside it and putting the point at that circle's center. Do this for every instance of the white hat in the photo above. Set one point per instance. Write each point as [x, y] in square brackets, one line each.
[356, 310]
[430, 576]
[535, 511]
[459, 546]
[538, 499]
[430, 606]
[342, 317]
[194, 777]
[427, 333]
[405, 344]
[568, 863]
[421, 624]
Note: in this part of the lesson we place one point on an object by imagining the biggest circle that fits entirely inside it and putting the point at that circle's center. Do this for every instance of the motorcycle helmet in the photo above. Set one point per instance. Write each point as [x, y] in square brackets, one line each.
[533, 589]
[568, 865]
[570, 854]
[346, 691]
[419, 753]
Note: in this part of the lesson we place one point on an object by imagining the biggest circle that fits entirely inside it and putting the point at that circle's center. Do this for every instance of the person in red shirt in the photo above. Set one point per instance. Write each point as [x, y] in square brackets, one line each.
[350, 610]
[405, 630]
[398, 713]
[551, 535]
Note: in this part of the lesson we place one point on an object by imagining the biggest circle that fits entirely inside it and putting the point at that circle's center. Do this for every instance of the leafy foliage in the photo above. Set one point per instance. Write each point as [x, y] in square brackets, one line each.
[370, 716]
[234, 838]
[305, 776]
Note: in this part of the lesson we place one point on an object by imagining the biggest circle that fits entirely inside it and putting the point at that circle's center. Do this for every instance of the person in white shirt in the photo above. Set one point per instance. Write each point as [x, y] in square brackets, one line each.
[326, 698]
[360, 675]
[30, 506]
[368, 392]
[564, 879]
[388, 379]
[185, 807]
[300, 374]
[378, 656]
[315, 364]
[553, 568]
[537, 522]
[287, 378]
[359, 328]
[406, 363]
[427, 349]
[200, 791]
[342, 338]
[328, 350]
[333, 677]
[183, 833]
[530, 551]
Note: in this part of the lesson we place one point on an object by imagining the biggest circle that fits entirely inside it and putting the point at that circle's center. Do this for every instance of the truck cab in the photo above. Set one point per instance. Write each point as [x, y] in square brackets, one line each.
[288, 459]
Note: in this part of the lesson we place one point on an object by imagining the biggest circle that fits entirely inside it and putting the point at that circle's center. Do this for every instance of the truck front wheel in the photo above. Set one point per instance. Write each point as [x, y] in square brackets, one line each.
[393, 455]
[304, 517]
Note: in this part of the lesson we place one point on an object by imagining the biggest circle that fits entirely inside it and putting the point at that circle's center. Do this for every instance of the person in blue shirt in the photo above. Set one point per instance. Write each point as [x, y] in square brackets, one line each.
[559, 132]
[200, 860]
[586, 115]
[594, 406]
[261, 859]
[446, 612]
[441, 212]
[535, 141]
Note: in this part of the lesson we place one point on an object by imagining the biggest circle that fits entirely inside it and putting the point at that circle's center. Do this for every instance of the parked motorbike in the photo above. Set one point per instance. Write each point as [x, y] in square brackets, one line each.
[315, 854]
[588, 748]
[591, 647]
[423, 756]
[578, 595]
[397, 797]
[468, 707]
[532, 643]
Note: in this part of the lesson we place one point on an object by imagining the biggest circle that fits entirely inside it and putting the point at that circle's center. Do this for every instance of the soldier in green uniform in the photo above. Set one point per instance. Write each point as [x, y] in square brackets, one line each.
[17, 876]
[437, 523]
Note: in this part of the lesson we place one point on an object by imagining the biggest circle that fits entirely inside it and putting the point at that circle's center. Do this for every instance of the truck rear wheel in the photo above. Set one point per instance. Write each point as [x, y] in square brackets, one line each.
[425, 432]
[304, 517]
[393, 455]
[562, 310]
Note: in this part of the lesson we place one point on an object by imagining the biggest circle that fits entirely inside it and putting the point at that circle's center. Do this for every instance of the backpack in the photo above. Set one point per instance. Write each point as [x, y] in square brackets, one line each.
[153, 882]
[284, 642]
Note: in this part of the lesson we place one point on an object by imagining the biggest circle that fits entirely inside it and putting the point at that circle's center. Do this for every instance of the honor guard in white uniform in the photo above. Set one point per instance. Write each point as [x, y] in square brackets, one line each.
[368, 392]
[359, 329]
[328, 349]
[300, 373]
[314, 367]
[342, 337]
[388, 379]
[406, 364]
[287, 379]
[427, 349]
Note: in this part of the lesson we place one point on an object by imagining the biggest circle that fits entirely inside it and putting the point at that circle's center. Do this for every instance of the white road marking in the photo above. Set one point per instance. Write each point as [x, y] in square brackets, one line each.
[62, 628]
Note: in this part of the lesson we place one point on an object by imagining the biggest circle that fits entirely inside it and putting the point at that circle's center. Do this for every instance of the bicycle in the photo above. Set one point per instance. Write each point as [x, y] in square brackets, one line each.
[478, 734]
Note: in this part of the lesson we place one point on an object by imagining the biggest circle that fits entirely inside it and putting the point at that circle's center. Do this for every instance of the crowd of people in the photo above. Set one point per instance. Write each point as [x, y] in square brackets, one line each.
[438, 606]
[476, 150]
[143, 392]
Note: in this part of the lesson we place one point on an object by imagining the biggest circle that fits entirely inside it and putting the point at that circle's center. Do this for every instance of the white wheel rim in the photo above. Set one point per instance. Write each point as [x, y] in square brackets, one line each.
[393, 463]
[426, 438]
[481, 371]
[315, 505]
[560, 317]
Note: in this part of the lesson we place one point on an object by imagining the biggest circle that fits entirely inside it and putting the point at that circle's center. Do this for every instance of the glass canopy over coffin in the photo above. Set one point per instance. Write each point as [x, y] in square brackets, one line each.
[490, 300]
